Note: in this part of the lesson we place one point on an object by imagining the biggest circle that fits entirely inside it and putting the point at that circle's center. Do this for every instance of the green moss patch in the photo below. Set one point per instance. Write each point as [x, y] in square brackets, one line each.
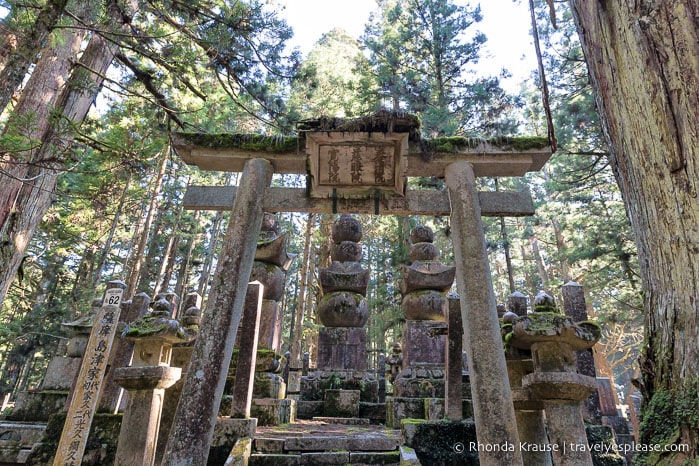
[668, 418]
[249, 142]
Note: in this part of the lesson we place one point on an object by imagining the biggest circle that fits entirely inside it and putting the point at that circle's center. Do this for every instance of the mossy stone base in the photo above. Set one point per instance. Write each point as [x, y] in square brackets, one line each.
[101, 442]
[435, 443]
[605, 455]
[341, 403]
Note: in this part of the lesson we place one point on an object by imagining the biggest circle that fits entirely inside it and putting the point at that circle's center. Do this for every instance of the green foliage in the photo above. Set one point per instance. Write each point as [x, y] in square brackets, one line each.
[420, 53]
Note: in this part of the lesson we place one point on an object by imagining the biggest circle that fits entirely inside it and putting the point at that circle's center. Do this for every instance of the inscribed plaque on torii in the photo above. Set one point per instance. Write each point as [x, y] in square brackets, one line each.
[352, 165]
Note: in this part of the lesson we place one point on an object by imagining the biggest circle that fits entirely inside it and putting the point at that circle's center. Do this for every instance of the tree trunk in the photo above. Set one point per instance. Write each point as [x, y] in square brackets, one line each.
[106, 248]
[143, 240]
[543, 274]
[72, 105]
[27, 48]
[642, 58]
[31, 117]
[303, 291]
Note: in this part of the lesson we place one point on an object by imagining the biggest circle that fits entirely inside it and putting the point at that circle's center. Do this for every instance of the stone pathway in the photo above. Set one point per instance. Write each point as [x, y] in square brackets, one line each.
[326, 442]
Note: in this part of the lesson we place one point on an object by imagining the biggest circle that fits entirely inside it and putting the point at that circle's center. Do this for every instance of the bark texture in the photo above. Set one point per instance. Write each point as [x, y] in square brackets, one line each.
[34, 197]
[643, 59]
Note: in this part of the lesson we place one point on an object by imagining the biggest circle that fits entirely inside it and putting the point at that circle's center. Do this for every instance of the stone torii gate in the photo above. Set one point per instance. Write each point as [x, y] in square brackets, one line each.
[361, 168]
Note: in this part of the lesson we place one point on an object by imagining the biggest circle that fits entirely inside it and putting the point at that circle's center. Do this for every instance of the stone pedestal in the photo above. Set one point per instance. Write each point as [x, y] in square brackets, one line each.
[342, 348]
[146, 380]
[141, 422]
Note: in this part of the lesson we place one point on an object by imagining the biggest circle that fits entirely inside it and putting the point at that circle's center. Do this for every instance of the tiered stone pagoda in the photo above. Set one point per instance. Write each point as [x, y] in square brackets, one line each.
[424, 285]
[341, 380]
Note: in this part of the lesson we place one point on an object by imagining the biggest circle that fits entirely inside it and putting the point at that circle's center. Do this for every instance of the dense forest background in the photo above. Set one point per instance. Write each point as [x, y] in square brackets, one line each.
[91, 188]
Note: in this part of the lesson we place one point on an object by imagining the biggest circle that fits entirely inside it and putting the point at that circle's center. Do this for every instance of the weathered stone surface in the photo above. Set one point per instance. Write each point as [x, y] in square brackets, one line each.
[423, 252]
[424, 342]
[425, 305]
[545, 326]
[559, 385]
[247, 354]
[345, 421]
[315, 443]
[346, 251]
[344, 276]
[517, 303]
[374, 412]
[565, 429]
[341, 348]
[434, 443]
[492, 399]
[271, 412]
[532, 431]
[341, 403]
[408, 457]
[268, 459]
[194, 422]
[314, 384]
[427, 276]
[227, 433]
[38, 406]
[147, 377]
[268, 385]
[414, 202]
[272, 278]
[606, 396]
[325, 457]
[346, 228]
[373, 442]
[453, 388]
[420, 381]
[343, 309]
[274, 251]
[269, 444]
[270, 326]
[421, 234]
[400, 409]
[306, 409]
[384, 457]
[101, 443]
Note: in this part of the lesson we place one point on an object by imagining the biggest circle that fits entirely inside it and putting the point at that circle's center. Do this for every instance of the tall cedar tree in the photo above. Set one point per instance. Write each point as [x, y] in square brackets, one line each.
[642, 58]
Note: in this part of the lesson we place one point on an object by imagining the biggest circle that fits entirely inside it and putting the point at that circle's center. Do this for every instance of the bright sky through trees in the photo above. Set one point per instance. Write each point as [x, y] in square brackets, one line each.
[506, 23]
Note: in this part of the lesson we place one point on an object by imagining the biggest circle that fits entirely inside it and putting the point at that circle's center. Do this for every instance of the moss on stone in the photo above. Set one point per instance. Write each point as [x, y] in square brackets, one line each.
[145, 326]
[249, 142]
[101, 442]
[456, 143]
[543, 322]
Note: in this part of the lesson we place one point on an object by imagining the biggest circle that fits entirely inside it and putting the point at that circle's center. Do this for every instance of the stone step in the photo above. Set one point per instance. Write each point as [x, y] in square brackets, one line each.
[348, 421]
[326, 458]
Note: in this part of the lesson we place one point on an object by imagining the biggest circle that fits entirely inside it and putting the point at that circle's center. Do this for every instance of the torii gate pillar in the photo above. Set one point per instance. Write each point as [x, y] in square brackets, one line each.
[195, 419]
[492, 400]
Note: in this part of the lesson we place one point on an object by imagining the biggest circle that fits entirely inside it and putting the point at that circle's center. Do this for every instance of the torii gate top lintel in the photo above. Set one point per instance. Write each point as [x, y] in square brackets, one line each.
[362, 165]
[495, 157]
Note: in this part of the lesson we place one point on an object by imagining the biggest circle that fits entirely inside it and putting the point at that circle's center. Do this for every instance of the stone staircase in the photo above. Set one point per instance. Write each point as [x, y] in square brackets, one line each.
[328, 441]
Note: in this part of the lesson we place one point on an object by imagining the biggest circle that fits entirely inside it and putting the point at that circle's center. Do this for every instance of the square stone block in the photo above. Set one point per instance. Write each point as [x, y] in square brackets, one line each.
[341, 403]
[273, 412]
[342, 348]
[424, 342]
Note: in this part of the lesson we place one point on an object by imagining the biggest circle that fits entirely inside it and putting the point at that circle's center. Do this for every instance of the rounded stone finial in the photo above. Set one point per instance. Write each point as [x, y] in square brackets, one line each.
[162, 308]
[543, 302]
[421, 234]
[192, 316]
[509, 317]
[423, 252]
[270, 222]
[346, 228]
